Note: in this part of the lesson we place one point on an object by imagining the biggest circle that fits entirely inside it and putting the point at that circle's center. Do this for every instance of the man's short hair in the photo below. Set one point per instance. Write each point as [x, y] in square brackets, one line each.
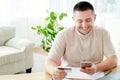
[82, 6]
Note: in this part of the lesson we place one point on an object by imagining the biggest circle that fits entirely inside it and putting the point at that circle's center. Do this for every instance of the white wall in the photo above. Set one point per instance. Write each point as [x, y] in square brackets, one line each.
[23, 14]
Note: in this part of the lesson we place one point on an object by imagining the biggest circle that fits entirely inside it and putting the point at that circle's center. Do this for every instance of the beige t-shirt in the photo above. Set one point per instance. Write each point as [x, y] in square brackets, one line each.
[72, 47]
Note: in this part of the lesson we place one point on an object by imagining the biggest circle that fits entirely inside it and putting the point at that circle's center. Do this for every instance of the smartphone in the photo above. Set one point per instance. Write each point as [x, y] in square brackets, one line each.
[85, 64]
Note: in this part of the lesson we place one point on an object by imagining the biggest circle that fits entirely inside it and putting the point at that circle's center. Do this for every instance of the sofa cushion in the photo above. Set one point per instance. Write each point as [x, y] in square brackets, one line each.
[6, 33]
[9, 55]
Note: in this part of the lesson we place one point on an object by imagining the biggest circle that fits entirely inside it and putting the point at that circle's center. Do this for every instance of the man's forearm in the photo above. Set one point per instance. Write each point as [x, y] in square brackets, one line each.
[50, 65]
[109, 63]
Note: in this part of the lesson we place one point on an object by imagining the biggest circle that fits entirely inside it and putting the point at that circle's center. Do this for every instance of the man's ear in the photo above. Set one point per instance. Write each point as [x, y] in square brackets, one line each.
[94, 17]
[72, 18]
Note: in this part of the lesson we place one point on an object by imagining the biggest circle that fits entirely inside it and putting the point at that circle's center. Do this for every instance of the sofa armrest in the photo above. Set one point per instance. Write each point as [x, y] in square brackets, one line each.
[20, 43]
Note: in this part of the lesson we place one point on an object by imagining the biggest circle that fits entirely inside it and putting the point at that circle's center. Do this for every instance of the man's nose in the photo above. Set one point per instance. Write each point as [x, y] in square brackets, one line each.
[84, 25]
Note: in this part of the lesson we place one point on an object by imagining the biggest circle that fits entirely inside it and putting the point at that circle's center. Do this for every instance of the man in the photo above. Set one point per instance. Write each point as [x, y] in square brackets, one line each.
[84, 41]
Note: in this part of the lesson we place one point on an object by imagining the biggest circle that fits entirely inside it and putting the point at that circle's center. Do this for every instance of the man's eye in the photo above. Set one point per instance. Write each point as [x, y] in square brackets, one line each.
[88, 20]
[79, 21]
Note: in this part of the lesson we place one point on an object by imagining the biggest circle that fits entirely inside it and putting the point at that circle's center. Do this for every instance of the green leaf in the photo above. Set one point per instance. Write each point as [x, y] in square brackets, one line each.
[60, 28]
[53, 15]
[48, 49]
[43, 41]
[52, 21]
[47, 18]
[50, 31]
[33, 28]
[45, 33]
[62, 15]
[50, 26]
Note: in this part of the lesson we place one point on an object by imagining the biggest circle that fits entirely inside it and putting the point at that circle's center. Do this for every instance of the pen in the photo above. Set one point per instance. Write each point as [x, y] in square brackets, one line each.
[108, 72]
[60, 68]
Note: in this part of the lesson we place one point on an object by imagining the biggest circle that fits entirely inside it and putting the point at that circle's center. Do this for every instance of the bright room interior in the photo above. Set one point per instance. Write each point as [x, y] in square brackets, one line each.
[24, 14]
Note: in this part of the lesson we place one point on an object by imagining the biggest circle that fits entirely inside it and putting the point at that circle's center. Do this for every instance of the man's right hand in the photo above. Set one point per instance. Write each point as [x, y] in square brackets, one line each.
[58, 74]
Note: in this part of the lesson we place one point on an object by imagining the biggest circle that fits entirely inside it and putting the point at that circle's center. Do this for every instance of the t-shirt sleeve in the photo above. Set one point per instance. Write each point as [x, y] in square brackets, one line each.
[108, 47]
[58, 47]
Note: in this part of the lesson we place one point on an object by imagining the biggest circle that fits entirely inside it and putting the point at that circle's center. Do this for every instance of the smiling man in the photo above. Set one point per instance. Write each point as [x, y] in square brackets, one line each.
[82, 42]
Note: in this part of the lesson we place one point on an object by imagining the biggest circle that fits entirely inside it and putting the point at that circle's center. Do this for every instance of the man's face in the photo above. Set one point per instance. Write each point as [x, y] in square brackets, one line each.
[84, 21]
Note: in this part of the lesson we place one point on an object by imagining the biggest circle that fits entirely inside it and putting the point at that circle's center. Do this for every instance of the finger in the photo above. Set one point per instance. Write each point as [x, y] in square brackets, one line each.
[59, 74]
[61, 71]
[56, 77]
[62, 74]
[84, 70]
[87, 71]
[93, 69]
[89, 68]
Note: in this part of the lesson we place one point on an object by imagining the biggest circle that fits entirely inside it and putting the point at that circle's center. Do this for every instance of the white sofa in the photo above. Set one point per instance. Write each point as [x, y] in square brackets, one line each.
[16, 54]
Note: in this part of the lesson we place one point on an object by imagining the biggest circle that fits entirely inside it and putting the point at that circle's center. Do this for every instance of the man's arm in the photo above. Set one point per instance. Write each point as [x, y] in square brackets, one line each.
[52, 68]
[107, 64]
[50, 65]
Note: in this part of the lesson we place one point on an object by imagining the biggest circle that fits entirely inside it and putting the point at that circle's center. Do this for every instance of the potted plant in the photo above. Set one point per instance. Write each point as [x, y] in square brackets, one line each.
[50, 29]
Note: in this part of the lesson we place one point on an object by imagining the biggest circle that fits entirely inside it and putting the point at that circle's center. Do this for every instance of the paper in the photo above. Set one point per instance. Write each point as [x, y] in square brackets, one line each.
[77, 74]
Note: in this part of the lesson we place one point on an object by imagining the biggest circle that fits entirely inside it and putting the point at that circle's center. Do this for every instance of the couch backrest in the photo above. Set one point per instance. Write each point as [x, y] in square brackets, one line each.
[6, 33]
